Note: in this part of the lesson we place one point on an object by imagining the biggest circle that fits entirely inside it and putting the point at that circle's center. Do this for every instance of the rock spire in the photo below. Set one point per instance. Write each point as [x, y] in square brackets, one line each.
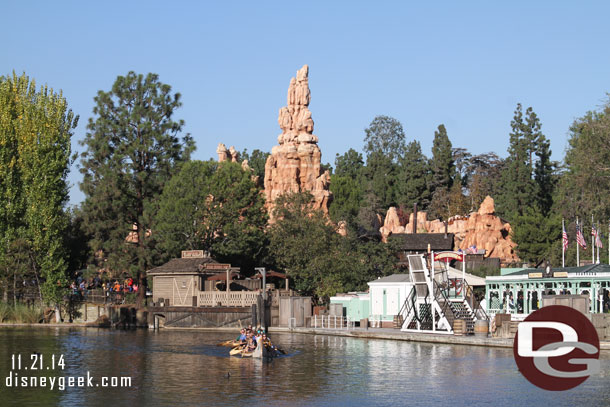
[294, 164]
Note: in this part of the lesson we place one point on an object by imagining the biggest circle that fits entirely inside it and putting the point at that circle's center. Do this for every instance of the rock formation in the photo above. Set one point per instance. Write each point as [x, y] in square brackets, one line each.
[227, 155]
[482, 229]
[294, 164]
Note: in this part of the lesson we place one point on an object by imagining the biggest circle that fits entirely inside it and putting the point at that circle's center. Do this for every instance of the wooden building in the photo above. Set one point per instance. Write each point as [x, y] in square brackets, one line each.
[193, 280]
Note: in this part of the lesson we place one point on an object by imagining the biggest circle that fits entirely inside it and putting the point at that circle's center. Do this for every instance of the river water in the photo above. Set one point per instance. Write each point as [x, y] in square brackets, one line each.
[186, 368]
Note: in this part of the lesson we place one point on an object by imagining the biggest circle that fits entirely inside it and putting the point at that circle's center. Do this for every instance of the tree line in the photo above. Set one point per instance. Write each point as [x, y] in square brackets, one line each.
[146, 199]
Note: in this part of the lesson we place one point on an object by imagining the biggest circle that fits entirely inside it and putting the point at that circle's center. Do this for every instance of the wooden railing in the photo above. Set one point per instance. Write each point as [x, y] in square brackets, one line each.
[224, 299]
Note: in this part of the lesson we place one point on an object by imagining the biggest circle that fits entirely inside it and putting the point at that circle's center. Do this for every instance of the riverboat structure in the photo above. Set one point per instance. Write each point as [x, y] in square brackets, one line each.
[438, 302]
[521, 292]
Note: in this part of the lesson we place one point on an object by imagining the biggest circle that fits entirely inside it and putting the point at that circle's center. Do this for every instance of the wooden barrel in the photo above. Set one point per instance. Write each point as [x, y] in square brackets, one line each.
[459, 327]
[481, 327]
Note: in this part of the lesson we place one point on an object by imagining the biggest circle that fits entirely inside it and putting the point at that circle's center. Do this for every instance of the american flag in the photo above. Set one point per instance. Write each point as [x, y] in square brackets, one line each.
[565, 239]
[580, 239]
[598, 240]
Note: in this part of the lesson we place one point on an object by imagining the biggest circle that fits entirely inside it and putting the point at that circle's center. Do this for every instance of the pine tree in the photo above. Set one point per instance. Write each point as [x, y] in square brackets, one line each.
[518, 185]
[414, 177]
[442, 164]
[132, 150]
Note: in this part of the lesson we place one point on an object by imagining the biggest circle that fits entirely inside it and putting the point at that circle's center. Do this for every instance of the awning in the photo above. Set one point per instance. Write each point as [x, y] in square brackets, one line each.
[271, 273]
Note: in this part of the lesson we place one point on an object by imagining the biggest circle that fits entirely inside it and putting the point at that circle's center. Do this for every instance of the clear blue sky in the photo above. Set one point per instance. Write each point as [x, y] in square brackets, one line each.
[464, 64]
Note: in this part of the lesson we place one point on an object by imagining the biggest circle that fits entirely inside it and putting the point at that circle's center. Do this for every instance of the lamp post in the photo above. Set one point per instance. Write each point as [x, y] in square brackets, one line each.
[263, 304]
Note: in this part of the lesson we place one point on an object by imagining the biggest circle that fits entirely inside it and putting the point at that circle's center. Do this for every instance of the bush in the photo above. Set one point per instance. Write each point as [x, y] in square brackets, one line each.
[6, 312]
[27, 315]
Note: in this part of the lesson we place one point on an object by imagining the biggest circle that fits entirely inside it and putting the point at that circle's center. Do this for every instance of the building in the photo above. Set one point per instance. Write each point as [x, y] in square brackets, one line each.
[521, 292]
[387, 295]
[194, 280]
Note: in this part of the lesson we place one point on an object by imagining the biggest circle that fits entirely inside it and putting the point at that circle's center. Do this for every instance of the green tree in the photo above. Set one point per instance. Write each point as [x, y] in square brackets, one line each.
[347, 199]
[385, 135]
[384, 144]
[584, 187]
[519, 187]
[381, 179]
[214, 207]
[132, 150]
[414, 177]
[300, 242]
[35, 140]
[320, 261]
[442, 164]
[349, 165]
[535, 234]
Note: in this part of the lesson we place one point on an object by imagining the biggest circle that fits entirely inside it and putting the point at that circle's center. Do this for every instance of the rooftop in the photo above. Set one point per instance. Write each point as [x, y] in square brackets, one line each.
[184, 265]
[394, 278]
[420, 241]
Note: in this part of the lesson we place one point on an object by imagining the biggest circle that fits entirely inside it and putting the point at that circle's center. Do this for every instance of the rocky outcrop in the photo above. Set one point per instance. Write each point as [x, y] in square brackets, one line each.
[225, 154]
[294, 164]
[482, 229]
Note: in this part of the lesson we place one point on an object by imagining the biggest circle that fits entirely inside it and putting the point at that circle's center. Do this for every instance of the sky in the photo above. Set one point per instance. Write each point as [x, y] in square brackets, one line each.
[463, 64]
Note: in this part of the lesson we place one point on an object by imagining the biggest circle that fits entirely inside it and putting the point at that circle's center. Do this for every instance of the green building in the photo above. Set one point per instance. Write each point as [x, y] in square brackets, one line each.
[521, 292]
[355, 305]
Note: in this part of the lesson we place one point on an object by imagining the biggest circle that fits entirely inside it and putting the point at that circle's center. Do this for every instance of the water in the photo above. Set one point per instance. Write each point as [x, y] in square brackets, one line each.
[185, 368]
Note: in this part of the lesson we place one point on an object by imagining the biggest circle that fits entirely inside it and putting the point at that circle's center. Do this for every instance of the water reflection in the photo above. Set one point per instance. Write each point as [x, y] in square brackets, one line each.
[184, 368]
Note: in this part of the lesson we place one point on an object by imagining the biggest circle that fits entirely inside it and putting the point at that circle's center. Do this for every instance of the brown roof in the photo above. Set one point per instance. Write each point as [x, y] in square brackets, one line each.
[419, 241]
[186, 265]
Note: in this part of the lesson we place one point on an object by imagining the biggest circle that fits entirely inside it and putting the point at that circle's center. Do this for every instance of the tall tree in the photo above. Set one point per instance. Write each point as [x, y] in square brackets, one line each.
[347, 199]
[413, 183]
[385, 135]
[132, 149]
[584, 187]
[484, 174]
[214, 207]
[519, 187]
[528, 187]
[442, 164]
[384, 144]
[320, 261]
[36, 127]
[349, 164]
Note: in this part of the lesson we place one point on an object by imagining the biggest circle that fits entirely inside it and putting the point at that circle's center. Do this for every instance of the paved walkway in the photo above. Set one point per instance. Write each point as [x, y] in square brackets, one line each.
[396, 334]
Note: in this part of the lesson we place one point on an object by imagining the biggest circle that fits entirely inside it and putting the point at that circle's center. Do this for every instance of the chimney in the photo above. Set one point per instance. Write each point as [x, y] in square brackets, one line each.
[445, 222]
[415, 218]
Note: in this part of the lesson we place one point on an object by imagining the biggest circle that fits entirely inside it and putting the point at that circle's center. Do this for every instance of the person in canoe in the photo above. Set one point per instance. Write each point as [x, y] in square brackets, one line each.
[242, 336]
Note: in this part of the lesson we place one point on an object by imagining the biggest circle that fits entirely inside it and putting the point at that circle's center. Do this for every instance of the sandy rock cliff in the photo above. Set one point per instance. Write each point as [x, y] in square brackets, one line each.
[294, 164]
[482, 229]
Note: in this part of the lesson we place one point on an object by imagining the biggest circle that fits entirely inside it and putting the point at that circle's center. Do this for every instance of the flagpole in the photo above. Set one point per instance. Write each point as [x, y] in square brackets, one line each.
[577, 246]
[598, 238]
[563, 247]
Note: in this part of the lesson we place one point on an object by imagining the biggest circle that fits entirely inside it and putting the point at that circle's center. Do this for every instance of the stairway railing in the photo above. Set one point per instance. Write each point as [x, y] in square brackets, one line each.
[475, 305]
[405, 310]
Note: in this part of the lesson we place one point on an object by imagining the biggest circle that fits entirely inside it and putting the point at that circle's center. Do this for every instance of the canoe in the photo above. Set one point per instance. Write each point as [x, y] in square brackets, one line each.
[236, 351]
[229, 344]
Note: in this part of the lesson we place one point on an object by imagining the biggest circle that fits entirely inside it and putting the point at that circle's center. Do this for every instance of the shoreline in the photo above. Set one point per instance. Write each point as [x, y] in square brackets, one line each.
[362, 333]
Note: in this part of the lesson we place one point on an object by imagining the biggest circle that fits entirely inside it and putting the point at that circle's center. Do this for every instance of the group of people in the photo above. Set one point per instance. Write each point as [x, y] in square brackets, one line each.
[80, 287]
[128, 286]
[250, 338]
